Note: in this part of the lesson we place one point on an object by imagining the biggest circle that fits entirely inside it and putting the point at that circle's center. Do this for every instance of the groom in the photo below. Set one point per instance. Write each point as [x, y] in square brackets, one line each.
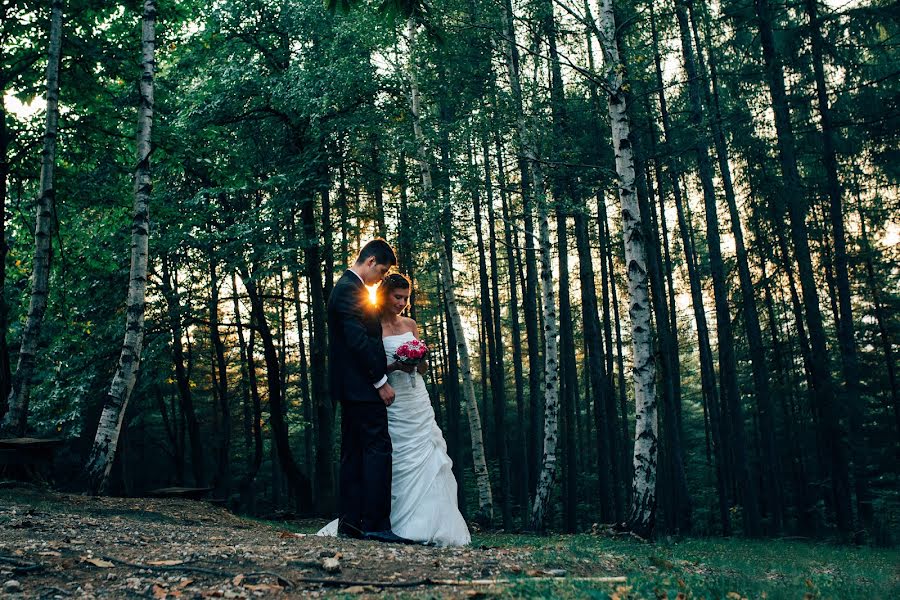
[358, 375]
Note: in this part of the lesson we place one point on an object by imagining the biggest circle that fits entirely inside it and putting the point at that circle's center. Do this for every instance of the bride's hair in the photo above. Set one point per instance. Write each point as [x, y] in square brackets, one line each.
[391, 282]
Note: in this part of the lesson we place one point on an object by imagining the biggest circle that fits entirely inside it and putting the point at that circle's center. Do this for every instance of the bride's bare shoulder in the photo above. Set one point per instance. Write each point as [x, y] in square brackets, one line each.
[411, 325]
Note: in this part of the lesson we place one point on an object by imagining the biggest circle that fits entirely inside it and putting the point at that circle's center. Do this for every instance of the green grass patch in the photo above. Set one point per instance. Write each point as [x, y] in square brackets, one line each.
[712, 568]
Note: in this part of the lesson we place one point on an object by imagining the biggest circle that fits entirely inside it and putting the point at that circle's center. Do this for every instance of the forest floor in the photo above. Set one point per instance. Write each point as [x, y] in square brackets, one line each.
[55, 545]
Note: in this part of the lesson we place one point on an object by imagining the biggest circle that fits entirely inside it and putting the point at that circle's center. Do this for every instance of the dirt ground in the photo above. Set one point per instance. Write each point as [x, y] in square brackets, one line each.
[55, 545]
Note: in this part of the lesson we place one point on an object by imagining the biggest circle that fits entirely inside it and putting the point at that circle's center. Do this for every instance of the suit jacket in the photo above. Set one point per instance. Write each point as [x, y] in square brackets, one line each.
[356, 358]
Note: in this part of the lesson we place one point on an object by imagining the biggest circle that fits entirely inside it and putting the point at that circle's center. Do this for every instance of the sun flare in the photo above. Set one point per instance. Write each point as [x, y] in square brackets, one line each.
[373, 294]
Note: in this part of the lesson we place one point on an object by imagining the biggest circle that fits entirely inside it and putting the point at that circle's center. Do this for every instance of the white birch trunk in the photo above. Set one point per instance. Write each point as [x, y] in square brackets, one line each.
[643, 498]
[103, 450]
[16, 419]
[482, 476]
[549, 465]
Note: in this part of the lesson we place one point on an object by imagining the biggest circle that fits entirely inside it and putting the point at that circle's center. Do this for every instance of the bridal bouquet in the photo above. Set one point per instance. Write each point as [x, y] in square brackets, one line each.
[411, 353]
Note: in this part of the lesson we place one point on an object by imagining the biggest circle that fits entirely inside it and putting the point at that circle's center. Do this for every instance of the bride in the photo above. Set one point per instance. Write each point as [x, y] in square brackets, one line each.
[423, 488]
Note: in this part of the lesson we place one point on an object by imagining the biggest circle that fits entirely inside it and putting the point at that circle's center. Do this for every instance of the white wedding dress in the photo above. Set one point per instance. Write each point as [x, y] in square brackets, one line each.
[423, 488]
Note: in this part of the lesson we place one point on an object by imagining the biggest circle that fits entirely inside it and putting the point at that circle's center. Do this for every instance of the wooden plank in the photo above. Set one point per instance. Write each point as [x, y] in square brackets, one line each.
[26, 442]
[181, 492]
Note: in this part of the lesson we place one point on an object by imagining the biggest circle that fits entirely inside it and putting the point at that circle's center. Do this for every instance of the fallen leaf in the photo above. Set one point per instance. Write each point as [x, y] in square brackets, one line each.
[237, 579]
[184, 583]
[355, 589]
[159, 592]
[331, 565]
[49, 553]
[165, 563]
[99, 562]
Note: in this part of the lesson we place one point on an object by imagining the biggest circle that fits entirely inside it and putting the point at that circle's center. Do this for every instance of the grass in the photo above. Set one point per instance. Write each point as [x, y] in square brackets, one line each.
[730, 569]
[687, 568]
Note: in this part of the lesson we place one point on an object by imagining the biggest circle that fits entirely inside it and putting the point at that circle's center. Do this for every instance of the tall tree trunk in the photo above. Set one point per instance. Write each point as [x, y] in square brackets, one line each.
[220, 381]
[618, 449]
[377, 191]
[306, 398]
[406, 236]
[549, 467]
[182, 377]
[170, 426]
[281, 441]
[800, 477]
[642, 514]
[498, 373]
[318, 352]
[482, 476]
[343, 208]
[593, 342]
[103, 450]
[521, 459]
[251, 401]
[681, 509]
[568, 377]
[563, 192]
[16, 420]
[762, 390]
[526, 156]
[707, 371]
[660, 225]
[846, 343]
[5, 373]
[794, 204]
[599, 367]
[727, 360]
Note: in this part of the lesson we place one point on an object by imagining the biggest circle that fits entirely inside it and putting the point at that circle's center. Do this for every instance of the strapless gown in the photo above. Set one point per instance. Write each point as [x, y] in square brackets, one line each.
[423, 488]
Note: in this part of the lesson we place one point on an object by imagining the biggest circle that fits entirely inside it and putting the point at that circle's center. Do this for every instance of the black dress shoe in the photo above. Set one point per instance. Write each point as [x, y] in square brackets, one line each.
[349, 531]
[387, 536]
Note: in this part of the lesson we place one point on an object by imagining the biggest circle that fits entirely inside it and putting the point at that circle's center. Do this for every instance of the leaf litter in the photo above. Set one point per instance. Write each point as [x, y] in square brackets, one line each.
[56, 545]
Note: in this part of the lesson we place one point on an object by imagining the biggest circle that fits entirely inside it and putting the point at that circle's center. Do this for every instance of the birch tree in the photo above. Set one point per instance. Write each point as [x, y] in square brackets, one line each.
[482, 476]
[642, 513]
[16, 418]
[103, 451]
[549, 464]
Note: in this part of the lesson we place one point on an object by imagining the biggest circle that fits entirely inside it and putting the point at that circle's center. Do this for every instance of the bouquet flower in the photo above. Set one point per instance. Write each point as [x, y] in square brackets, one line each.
[411, 353]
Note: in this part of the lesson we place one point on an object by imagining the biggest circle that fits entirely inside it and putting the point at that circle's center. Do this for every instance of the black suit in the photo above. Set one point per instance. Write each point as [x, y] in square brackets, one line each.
[357, 361]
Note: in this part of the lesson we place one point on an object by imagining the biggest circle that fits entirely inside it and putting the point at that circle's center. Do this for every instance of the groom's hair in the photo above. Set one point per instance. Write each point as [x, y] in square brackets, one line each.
[381, 250]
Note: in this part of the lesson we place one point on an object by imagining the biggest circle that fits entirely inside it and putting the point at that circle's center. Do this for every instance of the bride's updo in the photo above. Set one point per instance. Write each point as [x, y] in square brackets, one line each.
[391, 282]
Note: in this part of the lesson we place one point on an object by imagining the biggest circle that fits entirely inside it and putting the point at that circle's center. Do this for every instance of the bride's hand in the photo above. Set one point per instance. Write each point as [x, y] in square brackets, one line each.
[399, 366]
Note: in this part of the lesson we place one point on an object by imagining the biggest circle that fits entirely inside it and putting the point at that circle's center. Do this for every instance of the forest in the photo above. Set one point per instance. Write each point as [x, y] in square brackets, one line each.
[654, 248]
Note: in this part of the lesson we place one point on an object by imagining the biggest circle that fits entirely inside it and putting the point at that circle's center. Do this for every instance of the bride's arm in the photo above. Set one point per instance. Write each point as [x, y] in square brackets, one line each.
[422, 367]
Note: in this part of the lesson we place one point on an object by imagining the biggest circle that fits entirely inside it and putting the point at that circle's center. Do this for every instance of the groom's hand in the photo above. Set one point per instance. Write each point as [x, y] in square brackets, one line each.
[387, 394]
